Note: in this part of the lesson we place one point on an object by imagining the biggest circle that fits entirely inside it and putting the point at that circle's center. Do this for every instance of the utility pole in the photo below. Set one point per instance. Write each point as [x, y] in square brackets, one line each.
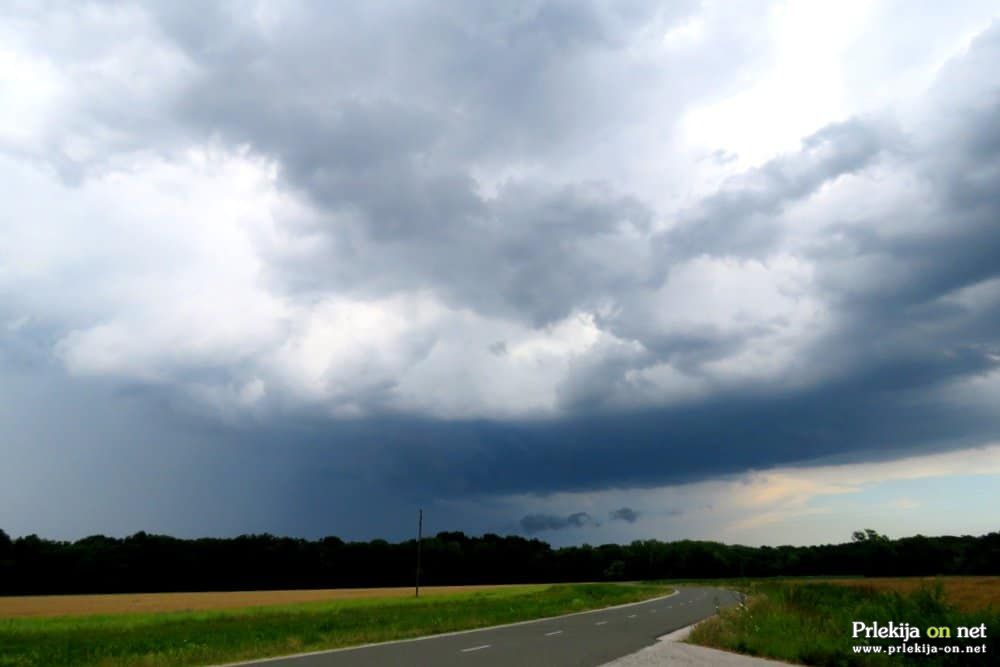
[420, 534]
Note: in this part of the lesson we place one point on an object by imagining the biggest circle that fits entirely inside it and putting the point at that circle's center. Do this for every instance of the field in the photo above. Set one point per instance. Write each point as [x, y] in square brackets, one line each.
[810, 621]
[217, 636]
[59, 605]
[964, 593]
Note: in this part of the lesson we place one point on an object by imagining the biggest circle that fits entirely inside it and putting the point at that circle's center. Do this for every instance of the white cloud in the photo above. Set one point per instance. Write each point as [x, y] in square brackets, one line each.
[164, 260]
[685, 35]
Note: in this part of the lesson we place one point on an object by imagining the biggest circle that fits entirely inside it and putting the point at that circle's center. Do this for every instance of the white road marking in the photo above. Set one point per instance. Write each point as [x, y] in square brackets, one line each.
[631, 615]
[601, 623]
[554, 632]
[476, 648]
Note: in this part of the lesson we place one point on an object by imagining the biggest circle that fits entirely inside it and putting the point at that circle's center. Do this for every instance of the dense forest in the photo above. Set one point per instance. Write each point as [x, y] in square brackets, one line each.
[143, 562]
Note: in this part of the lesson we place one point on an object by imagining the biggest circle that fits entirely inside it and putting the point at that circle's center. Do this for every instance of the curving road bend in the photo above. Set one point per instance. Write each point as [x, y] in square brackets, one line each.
[586, 638]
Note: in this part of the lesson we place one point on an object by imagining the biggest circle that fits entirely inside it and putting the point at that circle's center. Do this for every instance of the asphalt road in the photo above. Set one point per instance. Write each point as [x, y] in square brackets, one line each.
[588, 638]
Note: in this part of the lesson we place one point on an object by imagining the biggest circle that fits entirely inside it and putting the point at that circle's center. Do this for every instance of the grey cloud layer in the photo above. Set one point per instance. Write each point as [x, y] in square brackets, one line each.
[392, 121]
[626, 514]
[739, 220]
[536, 523]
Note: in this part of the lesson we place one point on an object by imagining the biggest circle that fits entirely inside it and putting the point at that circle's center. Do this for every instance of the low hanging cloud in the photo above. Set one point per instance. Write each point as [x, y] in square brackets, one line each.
[537, 523]
[626, 514]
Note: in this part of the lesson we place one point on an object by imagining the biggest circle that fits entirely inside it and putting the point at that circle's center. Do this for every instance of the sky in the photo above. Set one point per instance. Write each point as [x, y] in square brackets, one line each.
[582, 271]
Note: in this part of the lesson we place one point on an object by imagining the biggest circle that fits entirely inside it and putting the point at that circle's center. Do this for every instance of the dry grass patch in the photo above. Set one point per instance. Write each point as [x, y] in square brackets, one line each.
[964, 593]
[60, 605]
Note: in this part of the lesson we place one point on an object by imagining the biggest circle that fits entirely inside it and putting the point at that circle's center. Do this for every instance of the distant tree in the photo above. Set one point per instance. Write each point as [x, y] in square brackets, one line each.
[147, 562]
[868, 535]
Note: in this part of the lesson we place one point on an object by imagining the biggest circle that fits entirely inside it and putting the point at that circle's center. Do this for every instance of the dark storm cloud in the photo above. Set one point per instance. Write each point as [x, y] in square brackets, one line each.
[885, 414]
[375, 84]
[439, 147]
[391, 145]
[626, 514]
[899, 338]
[891, 281]
[902, 324]
[536, 523]
[89, 458]
[540, 251]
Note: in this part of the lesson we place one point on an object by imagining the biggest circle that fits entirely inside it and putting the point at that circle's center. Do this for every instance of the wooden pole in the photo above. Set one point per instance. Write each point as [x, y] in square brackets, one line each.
[420, 534]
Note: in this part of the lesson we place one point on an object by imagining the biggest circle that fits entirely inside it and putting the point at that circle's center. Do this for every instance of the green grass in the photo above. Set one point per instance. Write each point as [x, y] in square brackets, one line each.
[198, 638]
[811, 624]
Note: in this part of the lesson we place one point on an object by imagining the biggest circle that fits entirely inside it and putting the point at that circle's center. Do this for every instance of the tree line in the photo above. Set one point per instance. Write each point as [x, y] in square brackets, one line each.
[144, 562]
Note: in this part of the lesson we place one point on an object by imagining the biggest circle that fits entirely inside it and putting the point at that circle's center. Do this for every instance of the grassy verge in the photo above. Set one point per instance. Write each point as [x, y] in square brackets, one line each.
[811, 623]
[197, 638]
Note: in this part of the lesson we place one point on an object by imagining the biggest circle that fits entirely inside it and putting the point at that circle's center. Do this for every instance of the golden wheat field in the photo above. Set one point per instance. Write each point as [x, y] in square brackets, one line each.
[57, 605]
[966, 593]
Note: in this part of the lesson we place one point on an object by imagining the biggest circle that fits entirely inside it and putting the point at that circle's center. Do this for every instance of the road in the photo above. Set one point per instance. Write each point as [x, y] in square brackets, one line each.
[587, 638]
